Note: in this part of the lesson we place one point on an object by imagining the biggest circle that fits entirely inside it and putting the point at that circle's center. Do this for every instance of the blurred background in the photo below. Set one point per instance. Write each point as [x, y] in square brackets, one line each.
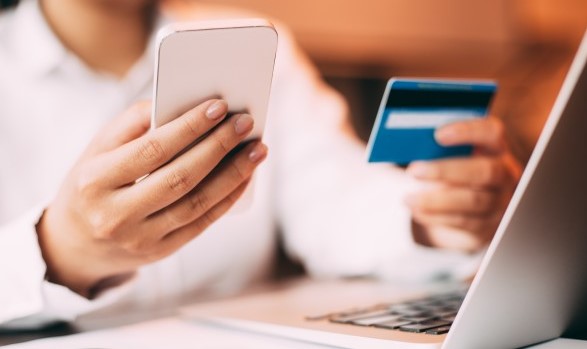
[527, 45]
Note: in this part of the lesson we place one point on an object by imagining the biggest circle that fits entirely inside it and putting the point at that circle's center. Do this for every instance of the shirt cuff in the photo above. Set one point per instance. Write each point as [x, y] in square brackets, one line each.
[29, 300]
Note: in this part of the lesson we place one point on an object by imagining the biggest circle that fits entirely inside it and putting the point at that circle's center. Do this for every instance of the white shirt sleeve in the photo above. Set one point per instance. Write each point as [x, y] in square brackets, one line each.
[341, 216]
[28, 300]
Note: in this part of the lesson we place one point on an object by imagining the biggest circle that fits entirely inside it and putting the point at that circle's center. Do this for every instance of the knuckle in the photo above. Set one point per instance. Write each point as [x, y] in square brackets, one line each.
[480, 201]
[497, 127]
[233, 198]
[180, 216]
[104, 226]
[137, 247]
[207, 219]
[492, 172]
[238, 172]
[199, 203]
[180, 181]
[474, 225]
[151, 255]
[143, 106]
[486, 172]
[460, 221]
[427, 203]
[498, 131]
[151, 151]
[86, 182]
[139, 109]
[190, 126]
[222, 143]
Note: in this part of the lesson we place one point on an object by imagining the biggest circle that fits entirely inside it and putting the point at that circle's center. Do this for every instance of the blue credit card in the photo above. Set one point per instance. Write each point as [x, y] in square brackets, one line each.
[412, 109]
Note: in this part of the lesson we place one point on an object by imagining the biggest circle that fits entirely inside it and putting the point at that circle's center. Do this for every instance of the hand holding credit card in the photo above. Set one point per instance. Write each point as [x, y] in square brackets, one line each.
[412, 109]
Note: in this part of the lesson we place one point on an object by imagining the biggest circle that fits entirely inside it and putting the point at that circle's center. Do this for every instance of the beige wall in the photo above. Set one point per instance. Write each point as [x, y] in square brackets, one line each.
[525, 44]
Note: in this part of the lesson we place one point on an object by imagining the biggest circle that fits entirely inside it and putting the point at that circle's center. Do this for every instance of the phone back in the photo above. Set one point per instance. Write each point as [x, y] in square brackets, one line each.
[228, 59]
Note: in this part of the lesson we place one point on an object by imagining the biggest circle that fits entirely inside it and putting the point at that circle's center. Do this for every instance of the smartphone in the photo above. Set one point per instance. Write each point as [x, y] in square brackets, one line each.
[232, 60]
[412, 109]
[197, 61]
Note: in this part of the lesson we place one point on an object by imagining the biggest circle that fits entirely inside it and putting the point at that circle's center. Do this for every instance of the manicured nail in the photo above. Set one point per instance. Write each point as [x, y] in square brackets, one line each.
[423, 170]
[243, 124]
[217, 110]
[258, 153]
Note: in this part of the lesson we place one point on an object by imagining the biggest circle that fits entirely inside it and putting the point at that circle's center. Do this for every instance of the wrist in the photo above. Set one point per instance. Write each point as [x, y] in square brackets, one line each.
[69, 264]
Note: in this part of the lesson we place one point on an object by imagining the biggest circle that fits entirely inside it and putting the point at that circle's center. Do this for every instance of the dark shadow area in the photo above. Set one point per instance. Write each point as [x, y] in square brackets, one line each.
[578, 327]
[363, 96]
[18, 336]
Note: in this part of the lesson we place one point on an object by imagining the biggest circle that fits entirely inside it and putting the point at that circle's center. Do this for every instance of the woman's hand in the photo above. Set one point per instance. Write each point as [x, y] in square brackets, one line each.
[468, 196]
[134, 197]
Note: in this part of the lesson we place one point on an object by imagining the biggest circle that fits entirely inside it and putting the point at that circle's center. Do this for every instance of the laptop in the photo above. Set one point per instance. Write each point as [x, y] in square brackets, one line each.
[527, 290]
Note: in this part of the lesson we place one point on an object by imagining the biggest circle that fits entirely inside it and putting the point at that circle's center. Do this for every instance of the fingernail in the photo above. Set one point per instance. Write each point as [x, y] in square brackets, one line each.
[217, 110]
[423, 170]
[243, 124]
[258, 153]
[446, 134]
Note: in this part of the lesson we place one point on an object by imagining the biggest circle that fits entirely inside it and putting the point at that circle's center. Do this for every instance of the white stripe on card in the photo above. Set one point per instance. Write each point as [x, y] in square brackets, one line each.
[402, 119]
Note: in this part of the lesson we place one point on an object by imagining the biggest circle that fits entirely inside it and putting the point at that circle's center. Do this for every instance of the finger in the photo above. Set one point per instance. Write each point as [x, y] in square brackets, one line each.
[451, 238]
[131, 124]
[144, 155]
[180, 237]
[487, 134]
[472, 224]
[455, 200]
[177, 178]
[477, 171]
[463, 232]
[228, 176]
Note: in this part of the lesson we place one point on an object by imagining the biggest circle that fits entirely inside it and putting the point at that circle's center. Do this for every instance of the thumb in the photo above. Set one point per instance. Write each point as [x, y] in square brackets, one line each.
[486, 134]
[130, 125]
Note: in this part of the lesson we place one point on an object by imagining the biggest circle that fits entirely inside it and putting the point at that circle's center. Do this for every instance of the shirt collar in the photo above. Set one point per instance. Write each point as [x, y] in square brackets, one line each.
[37, 47]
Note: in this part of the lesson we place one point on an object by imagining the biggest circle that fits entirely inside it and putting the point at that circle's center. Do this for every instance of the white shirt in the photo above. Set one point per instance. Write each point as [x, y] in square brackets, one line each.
[339, 215]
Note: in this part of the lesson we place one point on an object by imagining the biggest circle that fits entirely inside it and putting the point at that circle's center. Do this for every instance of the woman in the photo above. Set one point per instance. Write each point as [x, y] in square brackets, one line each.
[78, 231]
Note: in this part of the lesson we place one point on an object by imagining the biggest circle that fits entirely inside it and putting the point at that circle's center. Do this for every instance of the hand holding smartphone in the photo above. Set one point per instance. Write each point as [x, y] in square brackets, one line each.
[232, 60]
[130, 198]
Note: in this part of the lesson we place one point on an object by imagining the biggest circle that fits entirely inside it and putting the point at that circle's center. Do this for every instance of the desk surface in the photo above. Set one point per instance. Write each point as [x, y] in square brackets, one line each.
[179, 334]
[121, 331]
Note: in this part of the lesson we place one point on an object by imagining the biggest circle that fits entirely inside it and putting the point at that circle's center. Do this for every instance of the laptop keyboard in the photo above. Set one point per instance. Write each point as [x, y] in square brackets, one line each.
[431, 315]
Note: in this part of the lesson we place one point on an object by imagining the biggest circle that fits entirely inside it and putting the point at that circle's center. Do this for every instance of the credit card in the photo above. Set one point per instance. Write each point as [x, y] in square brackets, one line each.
[412, 109]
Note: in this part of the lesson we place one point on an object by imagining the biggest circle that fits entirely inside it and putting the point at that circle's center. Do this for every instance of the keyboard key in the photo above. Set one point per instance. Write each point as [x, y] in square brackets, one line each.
[439, 330]
[375, 320]
[424, 326]
[400, 307]
[449, 318]
[392, 325]
[445, 313]
[343, 319]
[411, 312]
[431, 315]
[349, 312]
[418, 319]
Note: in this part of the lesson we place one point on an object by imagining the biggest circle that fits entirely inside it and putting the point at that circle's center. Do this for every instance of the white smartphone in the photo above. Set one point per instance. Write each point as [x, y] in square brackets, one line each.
[230, 59]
